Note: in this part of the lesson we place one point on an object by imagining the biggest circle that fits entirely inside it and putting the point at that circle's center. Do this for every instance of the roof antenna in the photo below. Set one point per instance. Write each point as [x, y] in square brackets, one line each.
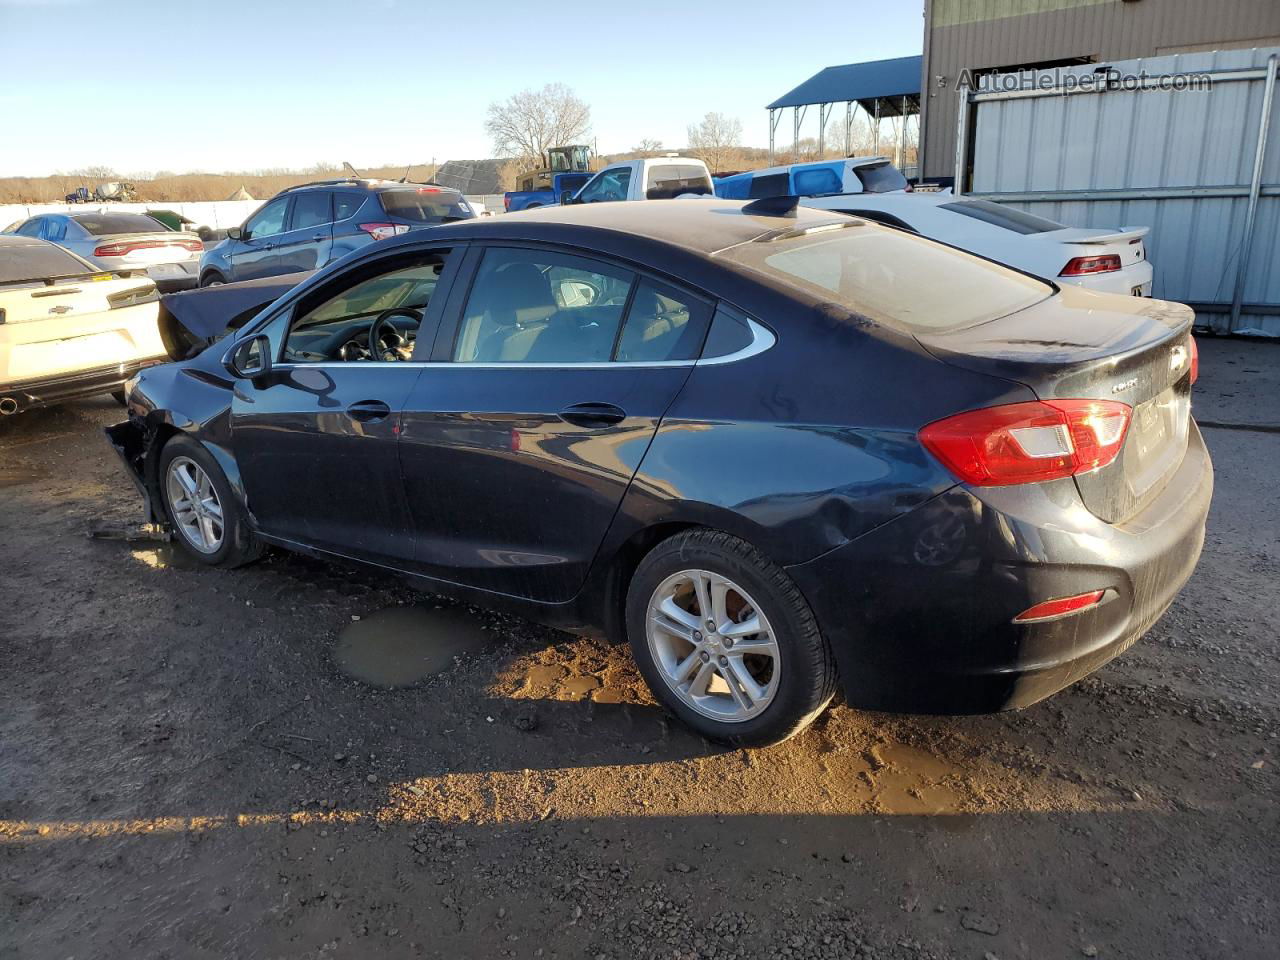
[780, 206]
[359, 175]
[405, 178]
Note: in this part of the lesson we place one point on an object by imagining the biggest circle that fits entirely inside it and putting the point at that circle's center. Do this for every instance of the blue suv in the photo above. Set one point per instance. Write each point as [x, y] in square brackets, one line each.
[306, 227]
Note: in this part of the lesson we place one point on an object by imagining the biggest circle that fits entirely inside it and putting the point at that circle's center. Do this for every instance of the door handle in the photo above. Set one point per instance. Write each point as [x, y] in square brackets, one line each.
[318, 237]
[368, 411]
[593, 414]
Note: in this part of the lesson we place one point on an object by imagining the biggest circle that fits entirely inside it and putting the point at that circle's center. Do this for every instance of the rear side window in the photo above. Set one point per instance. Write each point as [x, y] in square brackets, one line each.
[38, 261]
[55, 230]
[310, 209]
[31, 228]
[770, 185]
[881, 178]
[900, 280]
[669, 180]
[1001, 216]
[729, 334]
[345, 204]
[662, 324]
[424, 205]
[102, 224]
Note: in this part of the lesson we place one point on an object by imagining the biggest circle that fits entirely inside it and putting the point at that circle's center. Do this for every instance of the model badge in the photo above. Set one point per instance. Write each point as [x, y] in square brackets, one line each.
[60, 309]
[1178, 358]
[1122, 387]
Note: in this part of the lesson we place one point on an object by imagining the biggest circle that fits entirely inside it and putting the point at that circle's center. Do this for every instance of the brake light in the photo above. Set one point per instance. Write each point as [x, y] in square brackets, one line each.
[1084, 266]
[506, 203]
[1051, 609]
[1195, 359]
[428, 189]
[381, 231]
[1029, 442]
[122, 247]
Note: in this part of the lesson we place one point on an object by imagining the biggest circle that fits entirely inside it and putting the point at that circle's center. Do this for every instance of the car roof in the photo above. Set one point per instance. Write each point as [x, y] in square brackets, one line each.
[363, 183]
[699, 225]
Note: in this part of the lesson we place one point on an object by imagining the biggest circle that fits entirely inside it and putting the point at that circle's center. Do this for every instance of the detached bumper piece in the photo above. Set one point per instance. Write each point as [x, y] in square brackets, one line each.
[27, 394]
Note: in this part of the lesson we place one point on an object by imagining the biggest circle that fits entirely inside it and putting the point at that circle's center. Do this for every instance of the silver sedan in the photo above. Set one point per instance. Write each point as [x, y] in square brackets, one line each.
[123, 242]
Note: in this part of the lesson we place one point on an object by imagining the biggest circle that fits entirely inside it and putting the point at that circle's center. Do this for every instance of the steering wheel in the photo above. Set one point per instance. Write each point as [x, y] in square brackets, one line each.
[389, 344]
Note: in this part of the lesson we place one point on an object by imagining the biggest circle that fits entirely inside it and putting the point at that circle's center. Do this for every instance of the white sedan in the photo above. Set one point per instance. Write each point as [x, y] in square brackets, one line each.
[1113, 261]
[67, 328]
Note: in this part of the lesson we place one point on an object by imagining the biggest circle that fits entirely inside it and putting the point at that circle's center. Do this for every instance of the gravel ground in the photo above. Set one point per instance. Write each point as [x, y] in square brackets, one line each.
[185, 771]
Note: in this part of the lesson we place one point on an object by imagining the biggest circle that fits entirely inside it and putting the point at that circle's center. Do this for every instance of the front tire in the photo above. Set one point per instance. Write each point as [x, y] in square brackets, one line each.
[212, 280]
[207, 519]
[725, 640]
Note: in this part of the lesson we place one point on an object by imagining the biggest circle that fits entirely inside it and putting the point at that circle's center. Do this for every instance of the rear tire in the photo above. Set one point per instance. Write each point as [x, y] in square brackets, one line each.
[212, 280]
[203, 512]
[690, 612]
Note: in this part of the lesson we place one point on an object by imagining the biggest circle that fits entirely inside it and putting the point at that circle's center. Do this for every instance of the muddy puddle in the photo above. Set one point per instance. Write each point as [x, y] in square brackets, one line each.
[913, 781]
[399, 646]
[164, 556]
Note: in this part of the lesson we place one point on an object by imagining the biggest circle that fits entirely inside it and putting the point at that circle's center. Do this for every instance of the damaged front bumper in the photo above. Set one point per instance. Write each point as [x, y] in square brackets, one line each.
[130, 441]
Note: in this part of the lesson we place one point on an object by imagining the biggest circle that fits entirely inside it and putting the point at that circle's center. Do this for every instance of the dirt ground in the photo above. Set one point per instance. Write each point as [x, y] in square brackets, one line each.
[186, 772]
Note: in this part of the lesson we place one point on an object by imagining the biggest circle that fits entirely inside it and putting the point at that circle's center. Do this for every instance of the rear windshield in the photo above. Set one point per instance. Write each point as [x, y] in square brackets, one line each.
[675, 179]
[1001, 216]
[882, 178]
[893, 278]
[38, 261]
[102, 224]
[436, 206]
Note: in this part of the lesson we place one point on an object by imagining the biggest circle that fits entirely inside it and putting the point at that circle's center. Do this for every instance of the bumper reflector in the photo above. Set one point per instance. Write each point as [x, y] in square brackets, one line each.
[1052, 609]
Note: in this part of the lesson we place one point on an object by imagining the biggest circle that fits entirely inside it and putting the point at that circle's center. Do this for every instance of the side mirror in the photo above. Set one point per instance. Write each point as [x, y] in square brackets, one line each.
[249, 358]
[235, 233]
[566, 198]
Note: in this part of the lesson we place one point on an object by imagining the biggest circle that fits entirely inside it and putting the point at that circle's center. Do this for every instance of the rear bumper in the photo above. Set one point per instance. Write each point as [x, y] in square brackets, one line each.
[919, 612]
[27, 394]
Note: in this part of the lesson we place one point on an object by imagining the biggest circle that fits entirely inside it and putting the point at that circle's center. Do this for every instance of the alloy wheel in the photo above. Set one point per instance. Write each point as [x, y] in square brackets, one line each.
[714, 646]
[196, 509]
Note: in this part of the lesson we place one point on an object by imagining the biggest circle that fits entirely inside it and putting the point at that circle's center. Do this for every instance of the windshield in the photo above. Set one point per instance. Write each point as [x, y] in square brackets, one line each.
[102, 224]
[891, 277]
[1001, 216]
[425, 205]
[38, 261]
[881, 178]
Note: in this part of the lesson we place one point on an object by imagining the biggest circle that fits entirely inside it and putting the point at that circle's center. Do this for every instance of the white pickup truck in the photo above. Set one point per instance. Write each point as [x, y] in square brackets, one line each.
[653, 178]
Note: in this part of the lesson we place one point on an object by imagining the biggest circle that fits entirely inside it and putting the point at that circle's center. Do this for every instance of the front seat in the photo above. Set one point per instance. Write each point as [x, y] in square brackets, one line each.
[519, 300]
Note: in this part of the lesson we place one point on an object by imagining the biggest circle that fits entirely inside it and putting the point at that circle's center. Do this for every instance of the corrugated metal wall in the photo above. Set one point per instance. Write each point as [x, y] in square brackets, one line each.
[1181, 162]
[978, 34]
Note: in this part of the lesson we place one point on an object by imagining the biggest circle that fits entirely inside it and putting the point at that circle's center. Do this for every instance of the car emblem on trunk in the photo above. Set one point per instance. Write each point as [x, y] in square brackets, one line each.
[60, 309]
[1125, 385]
[1178, 358]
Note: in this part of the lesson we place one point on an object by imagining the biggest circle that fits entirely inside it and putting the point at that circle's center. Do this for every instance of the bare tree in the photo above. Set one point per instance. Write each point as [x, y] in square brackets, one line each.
[527, 123]
[715, 139]
[647, 146]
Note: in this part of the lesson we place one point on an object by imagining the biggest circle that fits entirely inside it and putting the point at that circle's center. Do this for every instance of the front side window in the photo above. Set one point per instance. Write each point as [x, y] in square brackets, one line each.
[336, 324]
[608, 185]
[530, 306]
[311, 209]
[268, 221]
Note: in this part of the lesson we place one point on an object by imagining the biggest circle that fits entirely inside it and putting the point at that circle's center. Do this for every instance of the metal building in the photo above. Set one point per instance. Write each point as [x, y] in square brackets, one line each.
[964, 38]
[882, 88]
[1187, 144]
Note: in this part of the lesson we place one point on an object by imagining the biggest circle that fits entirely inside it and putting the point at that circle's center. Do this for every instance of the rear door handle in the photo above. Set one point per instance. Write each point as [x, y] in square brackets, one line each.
[593, 414]
[318, 237]
[368, 411]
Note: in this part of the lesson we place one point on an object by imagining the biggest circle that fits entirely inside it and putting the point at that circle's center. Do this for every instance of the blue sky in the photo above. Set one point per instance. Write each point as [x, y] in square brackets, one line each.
[146, 85]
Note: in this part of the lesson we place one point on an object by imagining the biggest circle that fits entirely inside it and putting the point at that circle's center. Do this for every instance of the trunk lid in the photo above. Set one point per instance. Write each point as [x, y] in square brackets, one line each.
[145, 249]
[1083, 345]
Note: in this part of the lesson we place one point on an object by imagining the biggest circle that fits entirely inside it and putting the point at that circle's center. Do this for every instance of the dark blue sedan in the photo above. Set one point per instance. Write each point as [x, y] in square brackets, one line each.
[781, 452]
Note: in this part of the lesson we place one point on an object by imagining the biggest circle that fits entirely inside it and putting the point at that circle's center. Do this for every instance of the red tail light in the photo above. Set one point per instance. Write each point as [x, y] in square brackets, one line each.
[506, 203]
[380, 231]
[1195, 359]
[1084, 266]
[122, 247]
[1029, 442]
[1051, 609]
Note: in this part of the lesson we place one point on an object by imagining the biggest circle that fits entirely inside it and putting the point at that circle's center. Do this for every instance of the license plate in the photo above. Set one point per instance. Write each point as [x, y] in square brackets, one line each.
[165, 270]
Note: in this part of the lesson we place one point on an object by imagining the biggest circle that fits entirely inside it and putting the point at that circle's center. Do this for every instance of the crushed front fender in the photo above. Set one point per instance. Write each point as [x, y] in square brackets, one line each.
[130, 441]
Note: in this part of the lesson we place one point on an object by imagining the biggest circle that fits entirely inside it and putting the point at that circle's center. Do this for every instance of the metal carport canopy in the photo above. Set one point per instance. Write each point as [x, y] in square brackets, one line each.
[863, 83]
